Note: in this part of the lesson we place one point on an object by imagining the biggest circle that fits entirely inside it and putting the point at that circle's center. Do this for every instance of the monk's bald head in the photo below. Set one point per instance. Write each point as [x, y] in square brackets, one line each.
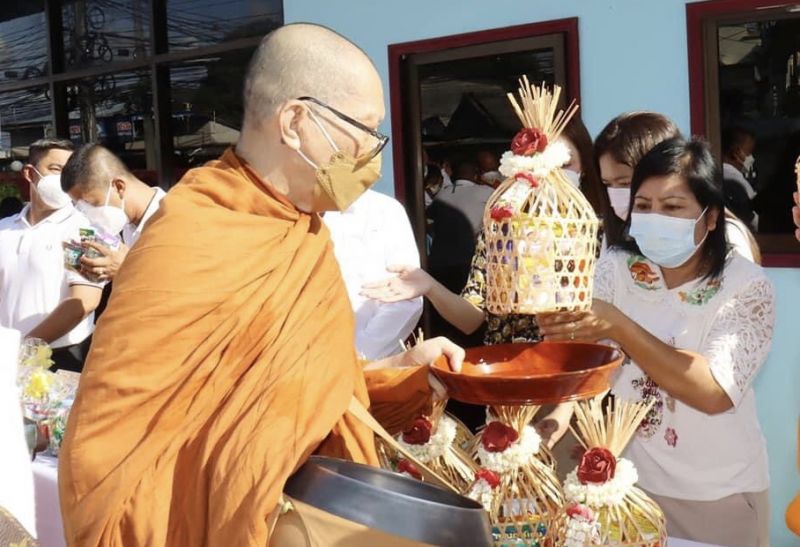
[303, 59]
[92, 167]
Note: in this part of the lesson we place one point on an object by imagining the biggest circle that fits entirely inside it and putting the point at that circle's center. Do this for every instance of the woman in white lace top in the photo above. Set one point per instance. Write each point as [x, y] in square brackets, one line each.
[696, 320]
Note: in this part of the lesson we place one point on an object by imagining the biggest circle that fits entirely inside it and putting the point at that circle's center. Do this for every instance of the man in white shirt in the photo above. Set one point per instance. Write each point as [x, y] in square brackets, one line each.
[113, 199]
[370, 236]
[39, 296]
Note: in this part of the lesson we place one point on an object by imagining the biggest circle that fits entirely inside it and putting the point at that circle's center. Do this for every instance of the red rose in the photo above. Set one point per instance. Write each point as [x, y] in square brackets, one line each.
[580, 511]
[598, 466]
[498, 436]
[492, 478]
[503, 212]
[528, 142]
[419, 432]
[530, 179]
[405, 466]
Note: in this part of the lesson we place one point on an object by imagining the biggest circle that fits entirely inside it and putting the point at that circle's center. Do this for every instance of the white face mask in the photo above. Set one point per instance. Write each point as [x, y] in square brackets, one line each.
[667, 241]
[49, 190]
[620, 199]
[108, 218]
[747, 163]
[573, 178]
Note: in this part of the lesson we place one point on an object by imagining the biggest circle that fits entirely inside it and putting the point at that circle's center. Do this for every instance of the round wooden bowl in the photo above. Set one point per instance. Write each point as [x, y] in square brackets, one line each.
[534, 374]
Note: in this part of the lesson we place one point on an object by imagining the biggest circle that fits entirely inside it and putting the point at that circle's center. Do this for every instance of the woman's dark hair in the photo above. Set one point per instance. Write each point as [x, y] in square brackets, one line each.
[591, 184]
[693, 161]
[627, 138]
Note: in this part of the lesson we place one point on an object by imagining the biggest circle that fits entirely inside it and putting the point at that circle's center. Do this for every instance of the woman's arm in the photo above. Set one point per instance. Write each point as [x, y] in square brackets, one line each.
[412, 282]
[685, 375]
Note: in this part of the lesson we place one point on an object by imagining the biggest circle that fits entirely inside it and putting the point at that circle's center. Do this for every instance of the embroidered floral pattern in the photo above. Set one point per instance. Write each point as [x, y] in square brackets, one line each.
[642, 273]
[701, 296]
[648, 389]
[671, 437]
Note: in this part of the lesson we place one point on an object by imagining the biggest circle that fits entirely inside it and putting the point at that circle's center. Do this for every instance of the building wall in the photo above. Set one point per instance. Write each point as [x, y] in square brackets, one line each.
[633, 56]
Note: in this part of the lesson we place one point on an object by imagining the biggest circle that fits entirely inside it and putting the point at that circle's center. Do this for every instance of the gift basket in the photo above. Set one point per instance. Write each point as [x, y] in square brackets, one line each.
[604, 506]
[517, 483]
[541, 232]
[46, 396]
[438, 441]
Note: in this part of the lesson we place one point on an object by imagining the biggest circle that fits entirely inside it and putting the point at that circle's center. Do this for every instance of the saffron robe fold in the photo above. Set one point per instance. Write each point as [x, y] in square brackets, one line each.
[224, 359]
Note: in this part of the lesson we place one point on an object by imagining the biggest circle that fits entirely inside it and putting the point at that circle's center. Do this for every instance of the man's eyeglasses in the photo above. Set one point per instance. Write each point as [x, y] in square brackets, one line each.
[381, 138]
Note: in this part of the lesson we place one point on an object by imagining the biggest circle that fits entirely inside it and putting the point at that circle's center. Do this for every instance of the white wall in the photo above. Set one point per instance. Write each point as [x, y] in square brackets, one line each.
[633, 56]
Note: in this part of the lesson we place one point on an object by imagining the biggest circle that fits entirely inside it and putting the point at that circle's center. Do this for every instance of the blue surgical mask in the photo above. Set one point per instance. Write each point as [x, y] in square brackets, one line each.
[664, 240]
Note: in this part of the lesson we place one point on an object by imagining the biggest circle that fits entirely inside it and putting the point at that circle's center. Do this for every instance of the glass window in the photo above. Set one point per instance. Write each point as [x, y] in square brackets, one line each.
[23, 41]
[759, 116]
[115, 110]
[99, 32]
[206, 106]
[198, 23]
[25, 116]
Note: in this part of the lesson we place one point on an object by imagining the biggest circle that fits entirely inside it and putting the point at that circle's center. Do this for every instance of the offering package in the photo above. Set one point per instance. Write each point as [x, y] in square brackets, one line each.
[74, 250]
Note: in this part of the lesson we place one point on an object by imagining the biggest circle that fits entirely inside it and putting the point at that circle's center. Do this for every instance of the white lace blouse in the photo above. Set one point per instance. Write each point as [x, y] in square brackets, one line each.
[681, 452]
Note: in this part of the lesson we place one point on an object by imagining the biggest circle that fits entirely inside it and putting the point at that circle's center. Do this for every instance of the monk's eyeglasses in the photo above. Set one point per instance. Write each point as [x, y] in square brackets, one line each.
[380, 137]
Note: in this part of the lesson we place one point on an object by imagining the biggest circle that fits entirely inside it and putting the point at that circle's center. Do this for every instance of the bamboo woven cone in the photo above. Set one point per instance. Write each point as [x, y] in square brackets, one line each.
[525, 507]
[541, 251]
[633, 520]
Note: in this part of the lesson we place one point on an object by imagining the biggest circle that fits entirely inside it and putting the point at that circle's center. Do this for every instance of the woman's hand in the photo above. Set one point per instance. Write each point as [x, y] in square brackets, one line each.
[553, 426]
[409, 283]
[599, 323]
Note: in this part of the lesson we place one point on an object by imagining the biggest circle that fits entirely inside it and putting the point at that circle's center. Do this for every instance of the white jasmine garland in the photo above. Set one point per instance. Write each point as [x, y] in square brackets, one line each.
[581, 532]
[597, 495]
[482, 492]
[518, 454]
[541, 164]
[436, 446]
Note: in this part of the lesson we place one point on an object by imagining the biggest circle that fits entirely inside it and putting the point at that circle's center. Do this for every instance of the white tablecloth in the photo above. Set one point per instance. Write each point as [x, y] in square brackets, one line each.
[49, 527]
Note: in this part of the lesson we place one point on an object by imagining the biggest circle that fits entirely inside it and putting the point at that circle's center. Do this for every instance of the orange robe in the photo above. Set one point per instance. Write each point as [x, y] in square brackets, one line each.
[224, 359]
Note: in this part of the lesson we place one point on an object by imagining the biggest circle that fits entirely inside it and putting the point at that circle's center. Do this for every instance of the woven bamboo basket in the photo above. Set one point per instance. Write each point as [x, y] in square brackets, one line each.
[540, 230]
[454, 464]
[627, 518]
[525, 505]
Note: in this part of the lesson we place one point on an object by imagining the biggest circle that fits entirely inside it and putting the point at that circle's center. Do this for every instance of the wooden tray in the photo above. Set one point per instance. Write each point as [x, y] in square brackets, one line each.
[543, 373]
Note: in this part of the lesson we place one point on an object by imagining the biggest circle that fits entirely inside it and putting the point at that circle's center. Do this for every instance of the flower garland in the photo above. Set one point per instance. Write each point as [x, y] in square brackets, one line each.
[582, 527]
[503, 450]
[425, 445]
[541, 164]
[599, 494]
[482, 490]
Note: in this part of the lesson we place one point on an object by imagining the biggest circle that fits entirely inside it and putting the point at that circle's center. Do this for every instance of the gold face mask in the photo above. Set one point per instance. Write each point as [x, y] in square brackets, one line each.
[343, 179]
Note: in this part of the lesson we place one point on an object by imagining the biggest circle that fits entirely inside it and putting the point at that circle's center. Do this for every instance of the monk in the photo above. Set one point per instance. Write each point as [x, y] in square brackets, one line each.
[226, 357]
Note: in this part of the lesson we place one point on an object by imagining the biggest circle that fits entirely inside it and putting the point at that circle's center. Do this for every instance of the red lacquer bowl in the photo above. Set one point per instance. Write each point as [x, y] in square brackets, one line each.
[543, 373]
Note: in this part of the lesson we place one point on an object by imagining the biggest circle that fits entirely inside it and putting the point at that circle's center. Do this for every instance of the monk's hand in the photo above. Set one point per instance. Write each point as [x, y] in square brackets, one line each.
[591, 325]
[106, 266]
[410, 282]
[428, 351]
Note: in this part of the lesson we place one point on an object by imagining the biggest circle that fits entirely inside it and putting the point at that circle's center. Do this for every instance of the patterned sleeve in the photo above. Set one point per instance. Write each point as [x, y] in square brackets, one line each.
[604, 273]
[475, 290]
[740, 337]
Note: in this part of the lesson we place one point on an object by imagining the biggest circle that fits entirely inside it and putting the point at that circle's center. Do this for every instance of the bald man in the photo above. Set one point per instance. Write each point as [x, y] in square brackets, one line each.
[113, 199]
[226, 355]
